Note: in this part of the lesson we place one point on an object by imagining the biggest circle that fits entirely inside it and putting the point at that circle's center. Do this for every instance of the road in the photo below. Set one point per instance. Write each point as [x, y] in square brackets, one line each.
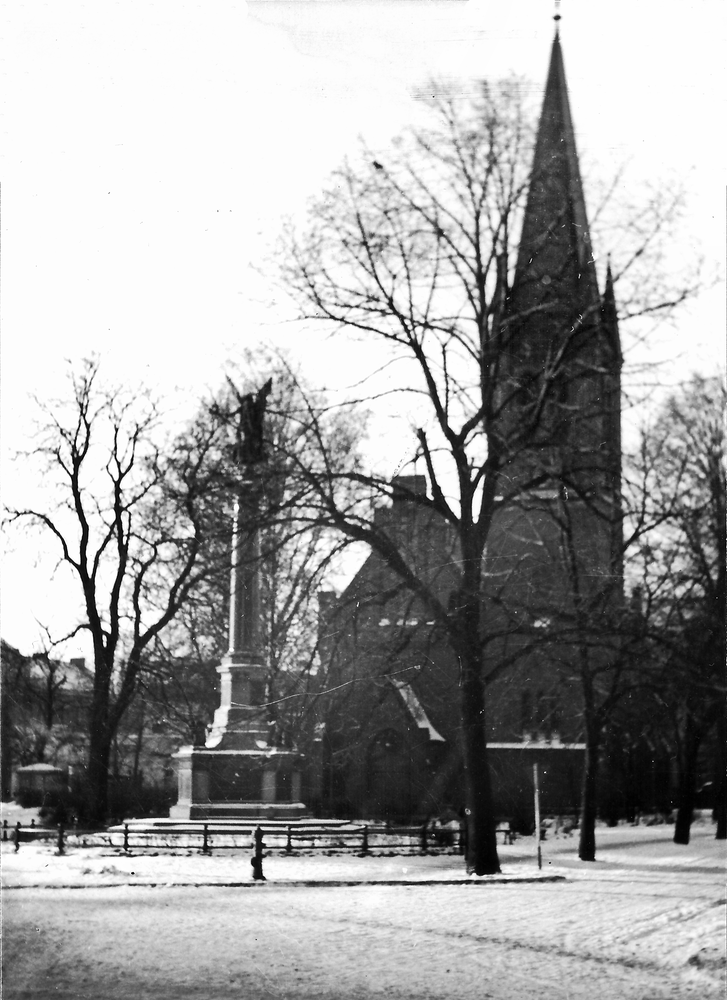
[628, 936]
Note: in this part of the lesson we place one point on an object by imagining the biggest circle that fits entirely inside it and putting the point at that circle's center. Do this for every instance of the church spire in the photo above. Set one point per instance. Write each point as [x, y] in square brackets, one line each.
[609, 320]
[562, 340]
[555, 249]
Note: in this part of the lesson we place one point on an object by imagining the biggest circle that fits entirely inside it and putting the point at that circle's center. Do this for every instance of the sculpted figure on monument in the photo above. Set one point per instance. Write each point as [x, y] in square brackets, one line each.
[250, 414]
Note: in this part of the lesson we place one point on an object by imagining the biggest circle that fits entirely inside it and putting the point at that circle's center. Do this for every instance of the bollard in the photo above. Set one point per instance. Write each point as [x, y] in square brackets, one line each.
[5, 829]
[16, 836]
[423, 843]
[126, 836]
[205, 840]
[365, 841]
[257, 859]
[289, 842]
[61, 843]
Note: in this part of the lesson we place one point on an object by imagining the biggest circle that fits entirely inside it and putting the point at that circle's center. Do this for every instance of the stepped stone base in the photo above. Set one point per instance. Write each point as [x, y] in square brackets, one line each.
[238, 810]
[164, 824]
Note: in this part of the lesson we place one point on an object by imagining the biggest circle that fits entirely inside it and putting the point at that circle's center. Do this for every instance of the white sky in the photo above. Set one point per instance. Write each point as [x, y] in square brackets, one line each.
[150, 151]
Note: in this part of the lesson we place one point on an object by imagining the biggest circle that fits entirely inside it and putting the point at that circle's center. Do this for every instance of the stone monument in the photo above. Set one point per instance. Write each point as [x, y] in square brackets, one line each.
[237, 773]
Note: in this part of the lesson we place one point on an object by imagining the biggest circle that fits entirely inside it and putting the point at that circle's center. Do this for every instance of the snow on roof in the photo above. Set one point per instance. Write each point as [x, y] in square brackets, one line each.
[553, 744]
[39, 767]
[414, 707]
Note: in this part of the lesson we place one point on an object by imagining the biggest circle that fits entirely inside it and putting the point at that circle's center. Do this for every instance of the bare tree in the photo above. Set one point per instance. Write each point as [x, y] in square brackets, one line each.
[602, 639]
[677, 486]
[414, 250]
[131, 522]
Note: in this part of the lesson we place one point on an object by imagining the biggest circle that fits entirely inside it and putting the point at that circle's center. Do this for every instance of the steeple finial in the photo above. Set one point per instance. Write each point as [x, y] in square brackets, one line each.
[556, 17]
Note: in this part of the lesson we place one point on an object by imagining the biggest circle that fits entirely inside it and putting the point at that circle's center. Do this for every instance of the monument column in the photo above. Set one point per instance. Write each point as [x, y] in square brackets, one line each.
[235, 774]
[244, 628]
[239, 722]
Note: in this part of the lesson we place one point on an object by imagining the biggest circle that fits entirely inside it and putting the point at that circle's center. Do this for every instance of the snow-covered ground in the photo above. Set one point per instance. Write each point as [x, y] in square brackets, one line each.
[645, 921]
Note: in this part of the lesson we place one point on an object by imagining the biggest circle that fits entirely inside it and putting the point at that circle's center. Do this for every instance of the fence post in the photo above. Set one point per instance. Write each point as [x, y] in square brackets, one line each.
[536, 791]
[5, 829]
[424, 844]
[257, 859]
[365, 841]
[126, 836]
[205, 839]
[16, 836]
[61, 844]
[289, 843]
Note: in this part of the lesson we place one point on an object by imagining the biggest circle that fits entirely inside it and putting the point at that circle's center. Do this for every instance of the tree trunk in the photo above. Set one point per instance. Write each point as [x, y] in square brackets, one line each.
[720, 782]
[49, 699]
[101, 735]
[481, 857]
[97, 777]
[138, 745]
[99, 749]
[687, 782]
[7, 761]
[589, 790]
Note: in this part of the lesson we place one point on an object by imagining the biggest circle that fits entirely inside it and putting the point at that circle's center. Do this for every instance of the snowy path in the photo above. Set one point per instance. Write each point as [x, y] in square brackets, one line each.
[499, 943]
[646, 922]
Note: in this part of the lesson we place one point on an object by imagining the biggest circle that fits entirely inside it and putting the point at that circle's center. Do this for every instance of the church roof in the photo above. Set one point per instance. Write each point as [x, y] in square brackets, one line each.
[555, 244]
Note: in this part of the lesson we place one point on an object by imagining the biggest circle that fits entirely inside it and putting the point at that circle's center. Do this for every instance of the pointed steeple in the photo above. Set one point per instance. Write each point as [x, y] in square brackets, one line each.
[555, 249]
[609, 319]
[611, 394]
[562, 345]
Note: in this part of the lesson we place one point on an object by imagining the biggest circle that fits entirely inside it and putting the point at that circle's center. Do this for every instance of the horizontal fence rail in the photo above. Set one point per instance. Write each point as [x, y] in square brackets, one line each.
[30, 834]
[362, 839]
[207, 837]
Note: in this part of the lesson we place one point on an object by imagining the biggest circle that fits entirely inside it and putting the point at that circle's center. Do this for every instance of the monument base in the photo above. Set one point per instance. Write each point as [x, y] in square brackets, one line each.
[232, 784]
[260, 811]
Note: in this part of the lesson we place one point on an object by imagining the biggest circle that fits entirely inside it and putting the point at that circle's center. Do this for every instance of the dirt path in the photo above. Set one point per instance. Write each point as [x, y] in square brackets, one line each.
[596, 941]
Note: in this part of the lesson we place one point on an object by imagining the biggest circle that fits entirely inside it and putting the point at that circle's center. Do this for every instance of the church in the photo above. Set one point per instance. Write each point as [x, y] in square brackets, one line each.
[552, 570]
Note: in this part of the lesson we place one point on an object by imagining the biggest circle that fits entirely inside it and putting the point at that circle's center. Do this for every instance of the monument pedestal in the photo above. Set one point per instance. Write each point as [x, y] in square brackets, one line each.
[236, 774]
[217, 784]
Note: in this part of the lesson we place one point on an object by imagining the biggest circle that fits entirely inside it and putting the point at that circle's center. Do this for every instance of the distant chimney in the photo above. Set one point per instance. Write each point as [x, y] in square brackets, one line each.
[408, 488]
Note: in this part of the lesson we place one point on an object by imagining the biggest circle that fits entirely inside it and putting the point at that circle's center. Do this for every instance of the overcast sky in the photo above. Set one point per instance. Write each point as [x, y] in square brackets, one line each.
[150, 151]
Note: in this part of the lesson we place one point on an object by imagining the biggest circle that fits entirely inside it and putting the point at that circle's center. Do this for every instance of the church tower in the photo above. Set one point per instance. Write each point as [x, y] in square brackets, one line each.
[562, 341]
[553, 563]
